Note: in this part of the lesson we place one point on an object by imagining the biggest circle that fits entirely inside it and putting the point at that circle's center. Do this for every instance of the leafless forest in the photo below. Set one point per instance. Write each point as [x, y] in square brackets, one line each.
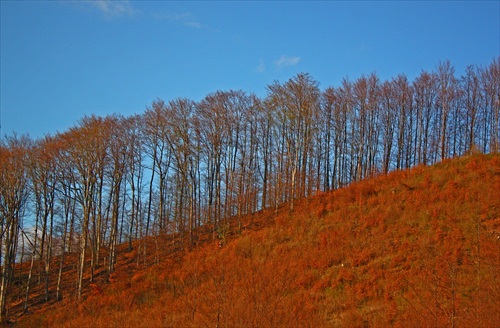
[182, 165]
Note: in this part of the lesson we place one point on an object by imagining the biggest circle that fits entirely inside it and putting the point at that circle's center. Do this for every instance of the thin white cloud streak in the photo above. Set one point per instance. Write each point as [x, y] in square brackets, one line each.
[111, 8]
[173, 17]
[287, 61]
[187, 19]
[261, 68]
[193, 24]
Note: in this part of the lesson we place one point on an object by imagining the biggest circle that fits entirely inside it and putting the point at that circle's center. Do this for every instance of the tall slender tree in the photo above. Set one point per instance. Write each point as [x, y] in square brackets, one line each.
[13, 199]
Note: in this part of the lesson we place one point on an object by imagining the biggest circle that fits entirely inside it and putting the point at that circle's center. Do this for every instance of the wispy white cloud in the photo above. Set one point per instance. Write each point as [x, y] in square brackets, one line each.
[114, 8]
[108, 8]
[261, 68]
[194, 24]
[173, 17]
[287, 61]
[187, 19]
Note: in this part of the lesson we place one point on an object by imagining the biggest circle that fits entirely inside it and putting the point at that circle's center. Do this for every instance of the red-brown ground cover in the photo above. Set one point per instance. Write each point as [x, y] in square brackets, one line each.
[413, 248]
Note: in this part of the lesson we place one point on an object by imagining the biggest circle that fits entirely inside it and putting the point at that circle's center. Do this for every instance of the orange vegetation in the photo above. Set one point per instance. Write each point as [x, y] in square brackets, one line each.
[411, 249]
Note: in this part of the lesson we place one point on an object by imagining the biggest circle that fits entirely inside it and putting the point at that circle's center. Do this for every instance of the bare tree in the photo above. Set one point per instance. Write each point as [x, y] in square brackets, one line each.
[402, 94]
[157, 149]
[13, 199]
[180, 140]
[119, 152]
[86, 150]
[446, 95]
[213, 122]
[43, 175]
[490, 79]
[425, 93]
[295, 104]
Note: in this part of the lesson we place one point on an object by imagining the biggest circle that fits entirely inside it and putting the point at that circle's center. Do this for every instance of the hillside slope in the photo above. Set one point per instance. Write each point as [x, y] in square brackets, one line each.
[414, 248]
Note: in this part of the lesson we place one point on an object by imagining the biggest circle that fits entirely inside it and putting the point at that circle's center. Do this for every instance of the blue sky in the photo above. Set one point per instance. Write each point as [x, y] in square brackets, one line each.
[61, 60]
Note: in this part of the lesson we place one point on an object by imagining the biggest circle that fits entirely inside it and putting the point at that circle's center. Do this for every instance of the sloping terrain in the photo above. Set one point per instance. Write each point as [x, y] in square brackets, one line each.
[413, 248]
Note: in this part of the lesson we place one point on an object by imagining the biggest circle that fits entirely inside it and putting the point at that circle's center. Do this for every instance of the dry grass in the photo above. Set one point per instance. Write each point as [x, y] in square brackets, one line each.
[414, 248]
